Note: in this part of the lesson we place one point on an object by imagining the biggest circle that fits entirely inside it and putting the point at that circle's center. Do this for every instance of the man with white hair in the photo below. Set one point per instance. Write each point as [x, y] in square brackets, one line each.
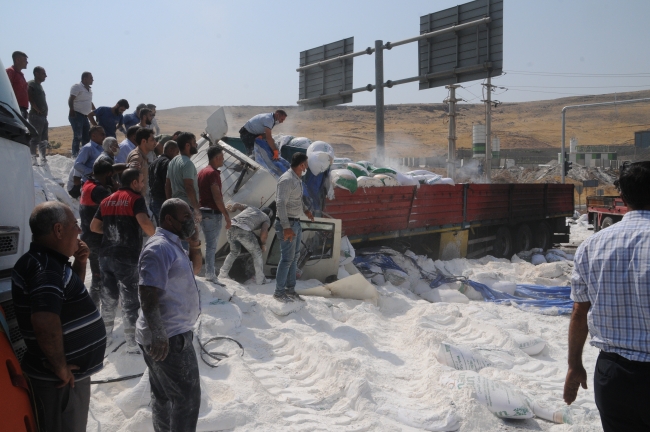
[63, 330]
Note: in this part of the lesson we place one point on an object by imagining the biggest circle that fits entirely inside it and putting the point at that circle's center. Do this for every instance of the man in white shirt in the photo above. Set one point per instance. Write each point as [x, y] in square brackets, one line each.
[81, 104]
[262, 124]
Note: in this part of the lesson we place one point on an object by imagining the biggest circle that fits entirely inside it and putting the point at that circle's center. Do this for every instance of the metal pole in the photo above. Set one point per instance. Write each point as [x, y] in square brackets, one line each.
[451, 151]
[379, 98]
[488, 131]
[562, 149]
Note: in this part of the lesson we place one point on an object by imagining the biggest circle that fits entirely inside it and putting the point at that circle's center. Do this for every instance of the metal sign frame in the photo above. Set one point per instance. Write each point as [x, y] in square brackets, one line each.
[465, 55]
[330, 77]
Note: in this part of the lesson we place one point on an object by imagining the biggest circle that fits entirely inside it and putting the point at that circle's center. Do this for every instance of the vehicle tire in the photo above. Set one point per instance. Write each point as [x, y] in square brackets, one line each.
[502, 246]
[543, 236]
[523, 238]
[607, 222]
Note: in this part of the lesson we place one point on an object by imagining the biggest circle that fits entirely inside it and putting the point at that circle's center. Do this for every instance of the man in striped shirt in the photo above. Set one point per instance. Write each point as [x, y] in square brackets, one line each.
[611, 289]
[63, 330]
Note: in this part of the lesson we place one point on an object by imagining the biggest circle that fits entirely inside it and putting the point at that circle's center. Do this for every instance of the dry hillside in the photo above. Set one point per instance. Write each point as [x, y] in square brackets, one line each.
[421, 129]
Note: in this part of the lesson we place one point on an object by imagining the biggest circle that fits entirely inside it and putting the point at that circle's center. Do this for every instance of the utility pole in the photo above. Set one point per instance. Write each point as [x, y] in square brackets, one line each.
[488, 131]
[451, 151]
[379, 99]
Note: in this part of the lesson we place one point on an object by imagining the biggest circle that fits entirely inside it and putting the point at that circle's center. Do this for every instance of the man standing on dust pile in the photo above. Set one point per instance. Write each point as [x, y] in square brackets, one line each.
[287, 227]
[611, 289]
[18, 82]
[38, 115]
[81, 104]
[170, 307]
[262, 124]
[121, 218]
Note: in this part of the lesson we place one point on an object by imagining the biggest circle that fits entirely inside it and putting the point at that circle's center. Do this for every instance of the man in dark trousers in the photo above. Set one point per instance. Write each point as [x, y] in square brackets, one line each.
[38, 115]
[121, 218]
[158, 177]
[63, 330]
[262, 125]
[92, 193]
[610, 286]
[170, 307]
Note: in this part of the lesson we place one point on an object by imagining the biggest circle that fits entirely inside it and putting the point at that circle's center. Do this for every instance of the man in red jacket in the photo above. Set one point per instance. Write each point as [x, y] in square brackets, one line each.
[18, 81]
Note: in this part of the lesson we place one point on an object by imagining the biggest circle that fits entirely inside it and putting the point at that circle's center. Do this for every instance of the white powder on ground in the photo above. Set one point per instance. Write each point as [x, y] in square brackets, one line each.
[346, 365]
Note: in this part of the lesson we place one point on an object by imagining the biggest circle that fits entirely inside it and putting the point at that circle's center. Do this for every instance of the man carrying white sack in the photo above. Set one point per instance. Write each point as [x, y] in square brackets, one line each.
[611, 289]
[262, 124]
[170, 306]
[241, 233]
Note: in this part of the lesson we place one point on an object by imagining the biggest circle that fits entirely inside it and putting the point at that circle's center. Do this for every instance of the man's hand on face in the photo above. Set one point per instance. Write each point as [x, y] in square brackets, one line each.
[82, 252]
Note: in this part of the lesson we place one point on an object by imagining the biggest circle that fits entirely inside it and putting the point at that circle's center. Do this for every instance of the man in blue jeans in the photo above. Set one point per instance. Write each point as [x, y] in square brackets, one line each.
[81, 104]
[213, 211]
[287, 227]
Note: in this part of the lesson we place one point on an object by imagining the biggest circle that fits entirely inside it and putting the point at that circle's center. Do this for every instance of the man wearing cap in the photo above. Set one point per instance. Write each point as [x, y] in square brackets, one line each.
[262, 124]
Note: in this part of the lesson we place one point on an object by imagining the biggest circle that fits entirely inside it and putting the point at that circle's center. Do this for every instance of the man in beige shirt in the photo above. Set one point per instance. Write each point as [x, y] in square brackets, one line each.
[145, 143]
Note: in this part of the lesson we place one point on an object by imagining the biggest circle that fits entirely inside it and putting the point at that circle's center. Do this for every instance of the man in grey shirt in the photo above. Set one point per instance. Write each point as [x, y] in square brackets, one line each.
[241, 234]
[170, 306]
[38, 115]
[287, 227]
[262, 124]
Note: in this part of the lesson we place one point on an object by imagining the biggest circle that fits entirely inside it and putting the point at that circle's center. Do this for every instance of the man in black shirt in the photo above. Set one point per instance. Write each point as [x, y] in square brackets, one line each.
[121, 218]
[158, 177]
[62, 328]
[92, 193]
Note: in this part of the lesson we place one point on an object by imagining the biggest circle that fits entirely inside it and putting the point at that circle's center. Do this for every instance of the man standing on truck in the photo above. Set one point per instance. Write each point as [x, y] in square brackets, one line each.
[18, 82]
[38, 115]
[121, 218]
[213, 210]
[170, 308]
[110, 118]
[92, 193]
[242, 233]
[611, 289]
[182, 182]
[63, 330]
[287, 226]
[81, 104]
[262, 124]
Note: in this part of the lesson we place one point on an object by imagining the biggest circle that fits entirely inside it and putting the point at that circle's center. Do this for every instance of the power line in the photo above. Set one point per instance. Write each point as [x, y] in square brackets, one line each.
[582, 75]
[585, 87]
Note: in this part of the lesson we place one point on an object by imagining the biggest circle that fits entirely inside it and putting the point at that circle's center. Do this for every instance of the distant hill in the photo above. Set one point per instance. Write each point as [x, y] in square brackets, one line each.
[414, 130]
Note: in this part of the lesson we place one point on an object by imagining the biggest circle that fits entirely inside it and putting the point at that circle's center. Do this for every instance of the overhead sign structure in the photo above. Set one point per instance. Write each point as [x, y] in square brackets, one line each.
[468, 54]
[330, 78]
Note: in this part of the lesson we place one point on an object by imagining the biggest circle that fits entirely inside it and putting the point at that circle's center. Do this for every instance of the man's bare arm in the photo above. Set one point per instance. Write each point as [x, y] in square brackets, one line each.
[151, 311]
[191, 193]
[145, 224]
[49, 336]
[578, 331]
[31, 102]
[71, 105]
[91, 118]
[269, 139]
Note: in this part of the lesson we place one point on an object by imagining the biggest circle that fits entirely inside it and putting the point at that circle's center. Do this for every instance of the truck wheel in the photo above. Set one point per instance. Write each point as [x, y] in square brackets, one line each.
[523, 238]
[607, 222]
[502, 246]
[543, 236]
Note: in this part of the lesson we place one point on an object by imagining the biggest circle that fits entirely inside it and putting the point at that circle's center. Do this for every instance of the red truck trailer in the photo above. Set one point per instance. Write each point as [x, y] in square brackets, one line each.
[466, 220]
[604, 211]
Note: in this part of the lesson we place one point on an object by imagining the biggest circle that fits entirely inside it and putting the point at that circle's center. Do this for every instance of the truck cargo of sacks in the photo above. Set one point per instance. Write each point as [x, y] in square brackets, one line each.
[340, 163]
[321, 156]
[387, 180]
[344, 179]
[422, 173]
[441, 180]
[358, 170]
[367, 165]
[386, 171]
[406, 180]
[368, 182]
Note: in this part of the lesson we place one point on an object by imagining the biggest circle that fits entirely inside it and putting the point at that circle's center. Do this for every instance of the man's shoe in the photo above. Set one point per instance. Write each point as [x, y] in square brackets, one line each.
[214, 280]
[34, 161]
[282, 298]
[132, 348]
[294, 295]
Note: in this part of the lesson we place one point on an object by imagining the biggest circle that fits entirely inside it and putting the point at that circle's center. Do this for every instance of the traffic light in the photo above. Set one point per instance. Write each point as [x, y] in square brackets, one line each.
[567, 165]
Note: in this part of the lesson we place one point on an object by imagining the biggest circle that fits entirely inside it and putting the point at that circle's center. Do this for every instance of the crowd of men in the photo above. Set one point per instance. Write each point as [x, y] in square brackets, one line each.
[142, 203]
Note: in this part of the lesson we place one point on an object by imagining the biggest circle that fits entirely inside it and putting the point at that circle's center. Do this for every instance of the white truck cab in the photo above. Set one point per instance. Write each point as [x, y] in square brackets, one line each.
[16, 187]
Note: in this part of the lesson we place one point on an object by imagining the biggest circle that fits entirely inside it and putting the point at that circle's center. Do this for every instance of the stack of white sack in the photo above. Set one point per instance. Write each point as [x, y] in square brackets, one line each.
[441, 180]
[344, 179]
[368, 182]
[367, 165]
[320, 156]
[358, 170]
[537, 256]
[387, 180]
[282, 140]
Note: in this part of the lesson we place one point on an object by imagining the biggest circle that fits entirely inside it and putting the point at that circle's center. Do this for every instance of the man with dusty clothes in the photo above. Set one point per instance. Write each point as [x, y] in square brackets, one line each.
[242, 233]
[63, 330]
[610, 286]
[93, 192]
[121, 218]
[290, 207]
[262, 125]
[170, 308]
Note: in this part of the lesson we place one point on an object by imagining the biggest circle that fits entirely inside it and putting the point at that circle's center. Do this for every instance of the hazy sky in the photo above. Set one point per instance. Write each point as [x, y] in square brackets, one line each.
[183, 53]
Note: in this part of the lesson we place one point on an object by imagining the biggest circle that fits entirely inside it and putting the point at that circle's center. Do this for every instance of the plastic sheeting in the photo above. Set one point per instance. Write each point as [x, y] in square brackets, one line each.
[264, 157]
[551, 299]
